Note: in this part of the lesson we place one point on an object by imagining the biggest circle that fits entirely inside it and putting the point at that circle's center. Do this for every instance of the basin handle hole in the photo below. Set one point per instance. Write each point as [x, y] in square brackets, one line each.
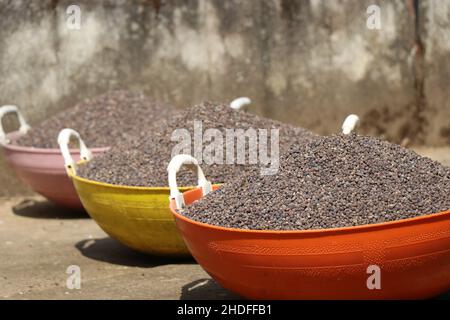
[174, 166]
[23, 125]
[64, 139]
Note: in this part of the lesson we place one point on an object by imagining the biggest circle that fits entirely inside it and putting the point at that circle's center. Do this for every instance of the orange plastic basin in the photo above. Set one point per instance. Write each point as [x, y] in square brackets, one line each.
[413, 256]
[44, 172]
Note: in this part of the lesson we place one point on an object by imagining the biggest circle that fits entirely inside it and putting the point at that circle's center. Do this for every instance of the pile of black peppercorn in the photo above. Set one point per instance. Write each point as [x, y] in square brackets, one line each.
[335, 181]
[101, 121]
[143, 161]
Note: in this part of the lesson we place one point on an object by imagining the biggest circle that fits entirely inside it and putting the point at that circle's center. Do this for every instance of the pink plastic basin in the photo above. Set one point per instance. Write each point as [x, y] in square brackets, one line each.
[43, 171]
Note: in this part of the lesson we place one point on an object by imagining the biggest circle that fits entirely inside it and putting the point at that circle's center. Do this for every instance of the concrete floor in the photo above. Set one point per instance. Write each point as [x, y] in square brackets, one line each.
[39, 241]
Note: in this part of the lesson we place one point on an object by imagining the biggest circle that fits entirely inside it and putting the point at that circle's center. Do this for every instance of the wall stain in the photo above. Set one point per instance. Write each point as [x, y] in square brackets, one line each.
[415, 131]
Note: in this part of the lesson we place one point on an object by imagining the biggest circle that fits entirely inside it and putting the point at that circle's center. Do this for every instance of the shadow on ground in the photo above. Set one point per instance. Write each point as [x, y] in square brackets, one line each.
[46, 210]
[444, 296]
[206, 289]
[112, 251]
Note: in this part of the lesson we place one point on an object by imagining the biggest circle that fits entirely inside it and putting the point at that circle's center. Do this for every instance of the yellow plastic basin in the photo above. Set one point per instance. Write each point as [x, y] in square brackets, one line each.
[138, 217]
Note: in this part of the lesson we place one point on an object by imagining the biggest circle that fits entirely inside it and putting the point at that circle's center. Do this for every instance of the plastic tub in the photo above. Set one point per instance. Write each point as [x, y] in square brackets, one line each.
[138, 217]
[413, 256]
[42, 169]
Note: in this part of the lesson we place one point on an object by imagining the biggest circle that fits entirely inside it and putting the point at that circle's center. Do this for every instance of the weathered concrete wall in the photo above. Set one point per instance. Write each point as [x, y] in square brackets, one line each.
[435, 19]
[305, 62]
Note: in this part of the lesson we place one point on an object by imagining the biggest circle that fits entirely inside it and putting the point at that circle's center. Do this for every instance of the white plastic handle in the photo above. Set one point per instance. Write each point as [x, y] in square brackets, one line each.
[239, 103]
[174, 166]
[350, 124]
[63, 140]
[24, 127]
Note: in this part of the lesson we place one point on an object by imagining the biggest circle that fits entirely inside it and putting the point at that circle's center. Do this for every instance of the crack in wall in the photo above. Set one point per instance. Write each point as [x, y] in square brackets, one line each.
[419, 122]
